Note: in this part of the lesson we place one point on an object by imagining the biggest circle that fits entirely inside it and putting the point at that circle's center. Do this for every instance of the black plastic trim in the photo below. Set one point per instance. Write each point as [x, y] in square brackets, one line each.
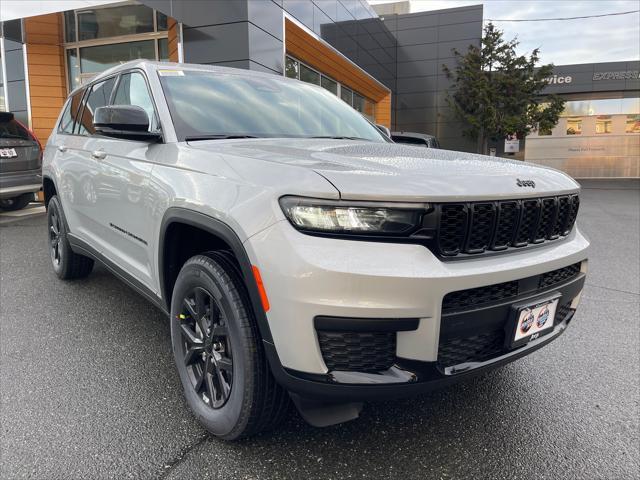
[227, 234]
[428, 376]
[345, 324]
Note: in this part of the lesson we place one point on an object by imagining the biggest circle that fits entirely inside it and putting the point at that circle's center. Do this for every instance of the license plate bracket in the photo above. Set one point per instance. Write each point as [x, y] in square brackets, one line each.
[531, 319]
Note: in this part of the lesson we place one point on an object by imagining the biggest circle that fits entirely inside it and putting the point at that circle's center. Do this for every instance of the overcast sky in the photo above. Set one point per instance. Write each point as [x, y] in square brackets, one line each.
[605, 39]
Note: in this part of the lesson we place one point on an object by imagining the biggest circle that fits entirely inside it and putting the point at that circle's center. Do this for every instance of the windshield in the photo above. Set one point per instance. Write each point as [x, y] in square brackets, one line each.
[209, 104]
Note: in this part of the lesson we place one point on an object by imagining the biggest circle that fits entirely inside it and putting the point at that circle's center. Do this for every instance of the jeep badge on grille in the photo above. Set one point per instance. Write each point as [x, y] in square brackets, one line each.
[525, 183]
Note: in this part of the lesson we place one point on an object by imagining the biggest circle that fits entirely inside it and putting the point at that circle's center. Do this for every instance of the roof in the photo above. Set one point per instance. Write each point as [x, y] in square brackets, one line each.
[153, 66]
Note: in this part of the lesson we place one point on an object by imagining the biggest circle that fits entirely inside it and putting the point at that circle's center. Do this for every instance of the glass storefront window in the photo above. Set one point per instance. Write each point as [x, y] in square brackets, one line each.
[70, 26]
[161, 21]
[308, 75]
[114, 21]
[329, 84]
[574, 126]
[99, 58]
[604, 124]
[358, 102]
[74, 68]
[346, 95]
[605, 106]
[163, 49]
[291, 68]
[633, 124]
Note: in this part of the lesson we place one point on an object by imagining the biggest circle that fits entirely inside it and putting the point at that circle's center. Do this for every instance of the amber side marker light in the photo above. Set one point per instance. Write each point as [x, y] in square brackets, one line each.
[261, 290]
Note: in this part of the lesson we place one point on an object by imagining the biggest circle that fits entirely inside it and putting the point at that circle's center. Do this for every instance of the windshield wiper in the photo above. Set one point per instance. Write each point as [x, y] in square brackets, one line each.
[338, 137]
[194, 138]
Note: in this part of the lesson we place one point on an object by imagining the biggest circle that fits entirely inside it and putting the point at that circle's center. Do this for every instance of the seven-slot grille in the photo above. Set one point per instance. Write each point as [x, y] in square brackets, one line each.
[478, 227]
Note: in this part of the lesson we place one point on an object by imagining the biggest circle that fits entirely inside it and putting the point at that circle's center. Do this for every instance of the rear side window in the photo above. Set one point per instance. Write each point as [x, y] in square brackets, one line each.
[10, 129]
[132, 90]
[70, 115]
[98, 97]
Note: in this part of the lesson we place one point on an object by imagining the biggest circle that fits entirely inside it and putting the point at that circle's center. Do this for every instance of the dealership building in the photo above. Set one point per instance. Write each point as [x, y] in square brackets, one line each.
[387, 65]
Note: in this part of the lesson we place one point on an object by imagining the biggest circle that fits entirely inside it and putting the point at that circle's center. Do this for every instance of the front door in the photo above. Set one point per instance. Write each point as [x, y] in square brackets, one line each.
[123, 208]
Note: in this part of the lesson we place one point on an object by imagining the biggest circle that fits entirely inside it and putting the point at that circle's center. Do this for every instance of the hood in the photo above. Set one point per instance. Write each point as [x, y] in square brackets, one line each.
[395, 172]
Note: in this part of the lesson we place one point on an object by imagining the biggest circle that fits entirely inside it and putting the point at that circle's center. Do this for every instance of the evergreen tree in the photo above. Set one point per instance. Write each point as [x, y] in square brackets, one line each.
[498, 93]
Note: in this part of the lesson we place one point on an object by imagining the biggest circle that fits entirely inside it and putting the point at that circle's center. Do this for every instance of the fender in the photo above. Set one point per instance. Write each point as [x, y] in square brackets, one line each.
[228, 235]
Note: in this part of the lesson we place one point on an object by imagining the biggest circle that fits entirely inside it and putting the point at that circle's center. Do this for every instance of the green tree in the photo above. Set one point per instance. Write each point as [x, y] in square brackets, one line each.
[497, 92]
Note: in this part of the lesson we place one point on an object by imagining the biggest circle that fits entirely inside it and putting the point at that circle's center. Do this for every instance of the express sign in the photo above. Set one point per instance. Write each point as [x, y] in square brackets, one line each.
[624, 75]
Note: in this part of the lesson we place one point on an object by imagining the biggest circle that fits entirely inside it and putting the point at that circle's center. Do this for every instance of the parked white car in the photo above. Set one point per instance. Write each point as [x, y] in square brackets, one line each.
[297, 251]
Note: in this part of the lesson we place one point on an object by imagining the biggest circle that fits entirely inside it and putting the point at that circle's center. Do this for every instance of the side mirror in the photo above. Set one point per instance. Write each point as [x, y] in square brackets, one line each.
[384, 130]
[124, 121]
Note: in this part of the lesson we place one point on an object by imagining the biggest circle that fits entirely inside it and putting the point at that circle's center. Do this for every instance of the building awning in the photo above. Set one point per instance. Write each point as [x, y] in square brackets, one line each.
[13, 9]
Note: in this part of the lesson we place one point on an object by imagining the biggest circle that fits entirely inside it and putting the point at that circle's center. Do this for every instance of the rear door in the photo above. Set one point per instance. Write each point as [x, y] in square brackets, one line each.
[19, 150]
[82, 169]
[68, 163]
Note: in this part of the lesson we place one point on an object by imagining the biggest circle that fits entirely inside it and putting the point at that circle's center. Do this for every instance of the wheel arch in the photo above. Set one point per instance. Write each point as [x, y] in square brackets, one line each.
[226, 239]
[49, 188]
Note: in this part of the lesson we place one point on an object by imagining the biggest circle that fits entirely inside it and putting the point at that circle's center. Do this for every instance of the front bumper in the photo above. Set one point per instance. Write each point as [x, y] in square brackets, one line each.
[306, 277]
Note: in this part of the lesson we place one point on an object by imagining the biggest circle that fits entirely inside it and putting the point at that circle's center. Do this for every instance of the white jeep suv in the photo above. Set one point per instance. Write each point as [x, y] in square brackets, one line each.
[299, 253]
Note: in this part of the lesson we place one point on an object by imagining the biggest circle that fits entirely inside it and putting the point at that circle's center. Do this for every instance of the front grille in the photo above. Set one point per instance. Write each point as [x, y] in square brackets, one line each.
[478, 348]
[473, 297]
[474, 321]
[563, 311]
[558, 276]
[369, 352]
[479, 227]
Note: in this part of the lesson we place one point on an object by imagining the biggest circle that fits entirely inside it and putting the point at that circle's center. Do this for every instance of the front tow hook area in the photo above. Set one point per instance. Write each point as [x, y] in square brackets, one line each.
[325, 414]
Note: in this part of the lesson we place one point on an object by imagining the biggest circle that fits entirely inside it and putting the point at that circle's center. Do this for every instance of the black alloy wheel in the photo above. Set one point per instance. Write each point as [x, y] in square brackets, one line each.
[208, 357]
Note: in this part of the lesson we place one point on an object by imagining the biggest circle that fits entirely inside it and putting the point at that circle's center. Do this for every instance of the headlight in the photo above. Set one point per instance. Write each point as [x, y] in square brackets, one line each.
[341, 217]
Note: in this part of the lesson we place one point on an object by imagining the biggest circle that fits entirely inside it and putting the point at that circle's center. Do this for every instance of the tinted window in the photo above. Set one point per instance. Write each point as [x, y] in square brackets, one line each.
[11, 129]
[98, 97]
[132, 90]
[206, 103]
[70, 114]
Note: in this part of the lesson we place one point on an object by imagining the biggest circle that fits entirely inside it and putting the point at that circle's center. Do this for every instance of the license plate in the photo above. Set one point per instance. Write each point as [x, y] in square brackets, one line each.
[534, 320]
[8, 153]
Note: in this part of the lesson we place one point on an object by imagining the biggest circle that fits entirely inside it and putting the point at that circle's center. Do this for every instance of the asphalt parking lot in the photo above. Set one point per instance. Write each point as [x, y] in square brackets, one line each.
[89, 390]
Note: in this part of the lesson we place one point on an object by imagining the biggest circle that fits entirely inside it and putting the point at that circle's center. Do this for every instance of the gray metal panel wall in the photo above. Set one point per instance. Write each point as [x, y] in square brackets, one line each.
[426, 41]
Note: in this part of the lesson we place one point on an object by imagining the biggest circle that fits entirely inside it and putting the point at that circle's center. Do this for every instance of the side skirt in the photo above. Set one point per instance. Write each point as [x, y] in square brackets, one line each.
[83, 248]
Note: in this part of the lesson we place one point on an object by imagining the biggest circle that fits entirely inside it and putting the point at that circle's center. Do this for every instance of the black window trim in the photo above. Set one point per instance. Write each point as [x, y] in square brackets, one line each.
[86, 89]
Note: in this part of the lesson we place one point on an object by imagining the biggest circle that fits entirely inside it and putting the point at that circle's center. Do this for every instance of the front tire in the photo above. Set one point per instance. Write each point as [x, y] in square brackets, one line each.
[67, 264]
[218, 351]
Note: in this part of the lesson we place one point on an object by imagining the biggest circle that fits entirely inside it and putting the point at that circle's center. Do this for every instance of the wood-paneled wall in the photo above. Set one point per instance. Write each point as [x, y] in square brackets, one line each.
[306, 48]
[47, 78]
[172, 39]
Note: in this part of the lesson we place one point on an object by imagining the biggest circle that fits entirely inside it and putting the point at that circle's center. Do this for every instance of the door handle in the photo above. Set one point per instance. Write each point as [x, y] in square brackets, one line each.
[62, 148]
[99, 154]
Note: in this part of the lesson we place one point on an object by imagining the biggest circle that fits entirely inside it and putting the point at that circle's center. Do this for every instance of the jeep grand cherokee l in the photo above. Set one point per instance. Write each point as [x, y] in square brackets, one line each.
[297, 251]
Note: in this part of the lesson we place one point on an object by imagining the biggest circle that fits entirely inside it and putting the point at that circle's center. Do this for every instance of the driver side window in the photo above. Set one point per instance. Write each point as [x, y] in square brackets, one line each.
[132, 90]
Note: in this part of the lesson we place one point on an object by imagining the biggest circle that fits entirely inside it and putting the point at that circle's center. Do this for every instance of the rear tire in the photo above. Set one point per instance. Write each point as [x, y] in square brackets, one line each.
[219, 355]
[16, 203]
[67, 264]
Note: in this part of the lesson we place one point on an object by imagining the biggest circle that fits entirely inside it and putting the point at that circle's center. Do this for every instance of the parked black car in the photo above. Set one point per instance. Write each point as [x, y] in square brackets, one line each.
[20, 163]
[418, 139]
